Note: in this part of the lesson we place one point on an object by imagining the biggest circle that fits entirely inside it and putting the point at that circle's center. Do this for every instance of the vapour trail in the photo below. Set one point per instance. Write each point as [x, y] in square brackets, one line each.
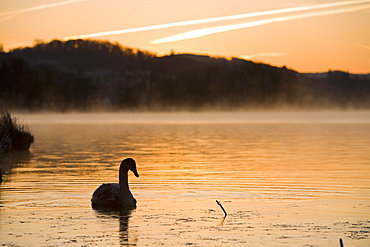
[10, 14]
[216, 19]
[219, 29]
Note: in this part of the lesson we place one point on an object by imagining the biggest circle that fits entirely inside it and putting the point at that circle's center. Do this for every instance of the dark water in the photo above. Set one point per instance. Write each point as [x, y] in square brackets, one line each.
[284, 179]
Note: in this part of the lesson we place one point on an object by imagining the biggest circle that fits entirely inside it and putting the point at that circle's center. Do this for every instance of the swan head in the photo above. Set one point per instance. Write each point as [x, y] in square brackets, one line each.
[128, 164]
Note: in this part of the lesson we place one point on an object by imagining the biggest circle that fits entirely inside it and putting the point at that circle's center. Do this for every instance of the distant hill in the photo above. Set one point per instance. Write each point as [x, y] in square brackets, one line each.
[95, 75]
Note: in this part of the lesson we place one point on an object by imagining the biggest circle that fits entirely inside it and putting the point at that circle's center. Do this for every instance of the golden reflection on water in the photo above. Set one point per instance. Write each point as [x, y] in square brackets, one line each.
[282, 184]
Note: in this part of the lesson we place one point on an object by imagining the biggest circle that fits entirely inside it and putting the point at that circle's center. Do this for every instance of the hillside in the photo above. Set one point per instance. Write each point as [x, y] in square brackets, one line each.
[94, 75]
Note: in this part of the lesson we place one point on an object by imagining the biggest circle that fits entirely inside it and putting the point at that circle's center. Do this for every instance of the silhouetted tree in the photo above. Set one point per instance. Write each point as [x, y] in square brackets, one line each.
[87, 74]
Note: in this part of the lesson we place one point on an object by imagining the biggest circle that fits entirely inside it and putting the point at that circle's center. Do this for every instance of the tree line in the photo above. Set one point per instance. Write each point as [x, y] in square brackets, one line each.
[90, 75]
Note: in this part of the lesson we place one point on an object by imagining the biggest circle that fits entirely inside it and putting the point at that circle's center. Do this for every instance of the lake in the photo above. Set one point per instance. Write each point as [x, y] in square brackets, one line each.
[284, 178]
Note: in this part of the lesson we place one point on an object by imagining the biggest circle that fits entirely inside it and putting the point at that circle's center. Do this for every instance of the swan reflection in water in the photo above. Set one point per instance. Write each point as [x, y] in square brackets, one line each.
[126, 236]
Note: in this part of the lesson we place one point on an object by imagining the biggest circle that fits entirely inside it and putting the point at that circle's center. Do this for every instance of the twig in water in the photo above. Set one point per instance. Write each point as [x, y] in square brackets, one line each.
[219, 204]
[341, 242]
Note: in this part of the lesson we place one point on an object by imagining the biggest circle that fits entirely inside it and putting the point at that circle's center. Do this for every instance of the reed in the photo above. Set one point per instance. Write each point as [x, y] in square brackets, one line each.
[13, 135]
[341, 243]
[219, 204]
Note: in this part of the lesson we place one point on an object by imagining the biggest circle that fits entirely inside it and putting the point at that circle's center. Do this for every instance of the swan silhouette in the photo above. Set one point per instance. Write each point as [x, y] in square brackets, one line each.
[116, 195]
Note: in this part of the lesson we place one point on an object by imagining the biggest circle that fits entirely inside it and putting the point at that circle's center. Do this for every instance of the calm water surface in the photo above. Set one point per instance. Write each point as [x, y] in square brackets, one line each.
[284, 179]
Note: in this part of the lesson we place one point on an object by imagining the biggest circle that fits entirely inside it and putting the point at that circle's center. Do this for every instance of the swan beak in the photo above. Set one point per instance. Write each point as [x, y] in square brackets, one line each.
[135, 172]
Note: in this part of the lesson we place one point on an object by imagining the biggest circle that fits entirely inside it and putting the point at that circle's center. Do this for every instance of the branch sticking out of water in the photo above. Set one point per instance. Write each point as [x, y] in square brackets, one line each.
[341, 242]
[219, 204]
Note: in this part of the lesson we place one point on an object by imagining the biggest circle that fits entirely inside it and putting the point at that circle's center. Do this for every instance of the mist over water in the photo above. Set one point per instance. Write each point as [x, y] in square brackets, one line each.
[202, 117]
[284, 178]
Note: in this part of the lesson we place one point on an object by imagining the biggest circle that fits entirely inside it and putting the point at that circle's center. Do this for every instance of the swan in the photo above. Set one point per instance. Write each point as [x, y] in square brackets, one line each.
[116, 195]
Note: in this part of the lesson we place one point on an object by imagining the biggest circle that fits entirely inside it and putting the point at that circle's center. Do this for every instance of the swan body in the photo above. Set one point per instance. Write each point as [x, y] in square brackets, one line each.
[116, 195]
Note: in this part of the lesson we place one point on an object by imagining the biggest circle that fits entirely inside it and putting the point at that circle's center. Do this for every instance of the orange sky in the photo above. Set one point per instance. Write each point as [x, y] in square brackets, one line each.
[305, 35]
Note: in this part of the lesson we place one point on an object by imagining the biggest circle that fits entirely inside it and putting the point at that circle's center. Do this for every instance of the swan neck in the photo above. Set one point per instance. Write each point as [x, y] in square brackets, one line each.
[123, 179]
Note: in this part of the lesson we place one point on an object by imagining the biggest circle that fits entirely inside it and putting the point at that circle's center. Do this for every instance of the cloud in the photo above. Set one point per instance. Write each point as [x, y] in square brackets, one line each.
[219, 29]
[265, 54]
[11, 14]
[217, 19]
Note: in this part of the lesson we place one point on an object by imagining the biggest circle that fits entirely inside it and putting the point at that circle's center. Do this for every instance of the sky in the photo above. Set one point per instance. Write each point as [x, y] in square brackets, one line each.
[304, 35]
